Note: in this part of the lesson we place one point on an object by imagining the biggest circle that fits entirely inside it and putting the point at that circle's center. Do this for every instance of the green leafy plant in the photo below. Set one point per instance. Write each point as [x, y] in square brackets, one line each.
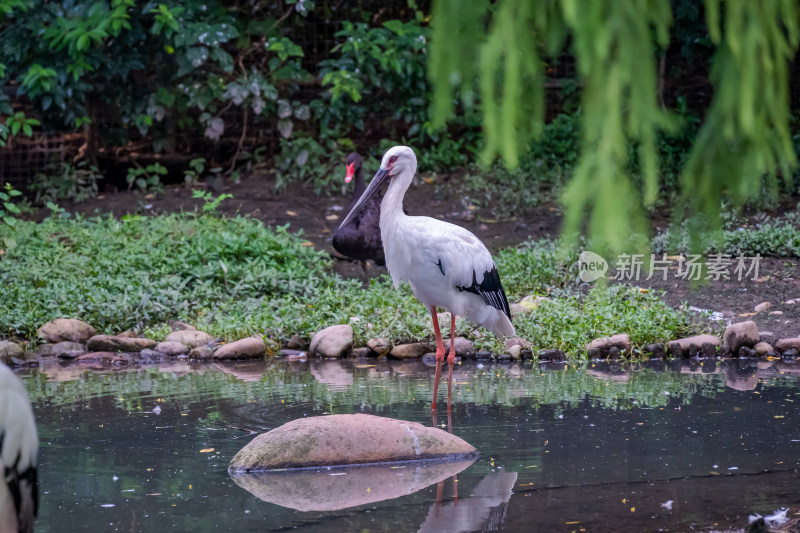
[8, 212]
[210, 204]
[67, 182]
[778, 237]
[195, 171]
[16, 123]
[9, 209]
[307, 160]
[147, 178]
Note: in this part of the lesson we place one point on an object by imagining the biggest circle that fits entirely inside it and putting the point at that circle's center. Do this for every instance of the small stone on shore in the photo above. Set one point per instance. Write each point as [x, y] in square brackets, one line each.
[691, 346]
[763, 306]
[66, 329]
[412, 350]
[332, 342]
[190, 337]
[463, 346]
[248, 348]
[68, 350]
[741, 334]
[201, 353]
[9, 350]
[361, 352]
[786, 344]
[296, 342]
[380, 346]
[552, 354]
[600, 347]
[113, 343]
[171, 348]
[762, 348]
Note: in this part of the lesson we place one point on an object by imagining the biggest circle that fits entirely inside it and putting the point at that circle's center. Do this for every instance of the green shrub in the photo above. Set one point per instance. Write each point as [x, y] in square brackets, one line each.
[71, 183]
[772, 238]
[121, 274]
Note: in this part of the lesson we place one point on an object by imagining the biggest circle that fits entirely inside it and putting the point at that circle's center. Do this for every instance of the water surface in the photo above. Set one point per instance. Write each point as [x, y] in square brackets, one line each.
[599, 447]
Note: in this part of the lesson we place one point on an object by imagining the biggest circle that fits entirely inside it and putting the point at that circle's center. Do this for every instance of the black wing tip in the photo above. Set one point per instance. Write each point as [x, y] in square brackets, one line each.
[490, 289]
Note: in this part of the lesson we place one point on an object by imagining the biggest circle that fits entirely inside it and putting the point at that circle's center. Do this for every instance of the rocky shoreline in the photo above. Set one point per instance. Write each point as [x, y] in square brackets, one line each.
[69, 339]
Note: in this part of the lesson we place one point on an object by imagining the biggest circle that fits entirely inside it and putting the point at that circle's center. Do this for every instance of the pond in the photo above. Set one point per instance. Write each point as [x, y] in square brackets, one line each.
[665, 446]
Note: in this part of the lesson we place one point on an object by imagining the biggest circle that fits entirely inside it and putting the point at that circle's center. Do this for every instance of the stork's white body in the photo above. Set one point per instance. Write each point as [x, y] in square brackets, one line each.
[446, 265]
[19, 448]
[440, 260]
[437, 258]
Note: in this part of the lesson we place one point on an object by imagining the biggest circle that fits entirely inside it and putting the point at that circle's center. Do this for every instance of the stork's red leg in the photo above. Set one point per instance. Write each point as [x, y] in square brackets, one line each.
[451, 358]
[439, 357]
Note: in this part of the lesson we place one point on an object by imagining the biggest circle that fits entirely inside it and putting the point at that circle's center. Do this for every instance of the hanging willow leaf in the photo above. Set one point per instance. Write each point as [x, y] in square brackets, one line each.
[745, 136]
[506, 61]
[615, 55]
[504, 47]
[499, 47]
[456, 33]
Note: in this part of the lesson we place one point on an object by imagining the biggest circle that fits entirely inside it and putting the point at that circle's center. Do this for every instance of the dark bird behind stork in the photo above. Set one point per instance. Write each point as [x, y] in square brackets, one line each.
[360, 237]
[446, 265]
[19, 448]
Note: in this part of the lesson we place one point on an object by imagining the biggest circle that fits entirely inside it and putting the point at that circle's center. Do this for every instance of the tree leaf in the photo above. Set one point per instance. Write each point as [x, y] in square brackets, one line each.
[285, 128]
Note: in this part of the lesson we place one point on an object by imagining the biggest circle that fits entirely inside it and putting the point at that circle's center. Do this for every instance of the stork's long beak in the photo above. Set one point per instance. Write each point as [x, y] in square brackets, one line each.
[351, 170]
[381, 177]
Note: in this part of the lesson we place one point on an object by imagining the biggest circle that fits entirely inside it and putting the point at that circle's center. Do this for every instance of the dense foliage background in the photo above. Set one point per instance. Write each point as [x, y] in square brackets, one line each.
[241, 81]
[203, 89]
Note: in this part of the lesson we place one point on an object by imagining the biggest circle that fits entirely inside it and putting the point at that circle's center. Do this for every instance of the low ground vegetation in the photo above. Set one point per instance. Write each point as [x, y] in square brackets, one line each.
[234, 277]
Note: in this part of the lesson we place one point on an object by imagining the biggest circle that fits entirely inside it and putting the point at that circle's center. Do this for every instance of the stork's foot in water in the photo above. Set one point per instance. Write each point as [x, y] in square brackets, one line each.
[439, 359]
[451, 359]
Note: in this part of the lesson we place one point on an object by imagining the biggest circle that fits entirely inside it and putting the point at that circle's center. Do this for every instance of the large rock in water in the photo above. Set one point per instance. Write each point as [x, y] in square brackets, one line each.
[337, 440]
[318, 490]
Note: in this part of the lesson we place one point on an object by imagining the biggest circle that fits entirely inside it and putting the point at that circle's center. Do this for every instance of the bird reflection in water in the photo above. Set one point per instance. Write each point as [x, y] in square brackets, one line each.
[484, 509]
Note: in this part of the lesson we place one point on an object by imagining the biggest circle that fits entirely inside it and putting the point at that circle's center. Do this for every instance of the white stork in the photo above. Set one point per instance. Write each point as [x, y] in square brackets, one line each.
[446, 265]
[19, 448]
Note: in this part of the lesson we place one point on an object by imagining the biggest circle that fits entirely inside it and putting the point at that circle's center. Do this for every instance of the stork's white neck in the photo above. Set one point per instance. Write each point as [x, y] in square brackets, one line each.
[392, 203]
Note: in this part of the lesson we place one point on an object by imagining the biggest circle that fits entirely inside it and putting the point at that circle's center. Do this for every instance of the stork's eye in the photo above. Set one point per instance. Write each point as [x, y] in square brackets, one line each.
[393, 159]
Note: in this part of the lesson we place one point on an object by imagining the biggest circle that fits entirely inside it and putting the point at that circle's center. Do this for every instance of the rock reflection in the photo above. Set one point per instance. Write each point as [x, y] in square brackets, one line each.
[243, 370]
[741, 375]
[332, 489]
[335, 372]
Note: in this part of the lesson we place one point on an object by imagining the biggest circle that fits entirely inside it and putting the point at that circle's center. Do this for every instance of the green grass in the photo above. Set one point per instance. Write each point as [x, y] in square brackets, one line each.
[122, 274]
[234, 277]
[778, 237]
